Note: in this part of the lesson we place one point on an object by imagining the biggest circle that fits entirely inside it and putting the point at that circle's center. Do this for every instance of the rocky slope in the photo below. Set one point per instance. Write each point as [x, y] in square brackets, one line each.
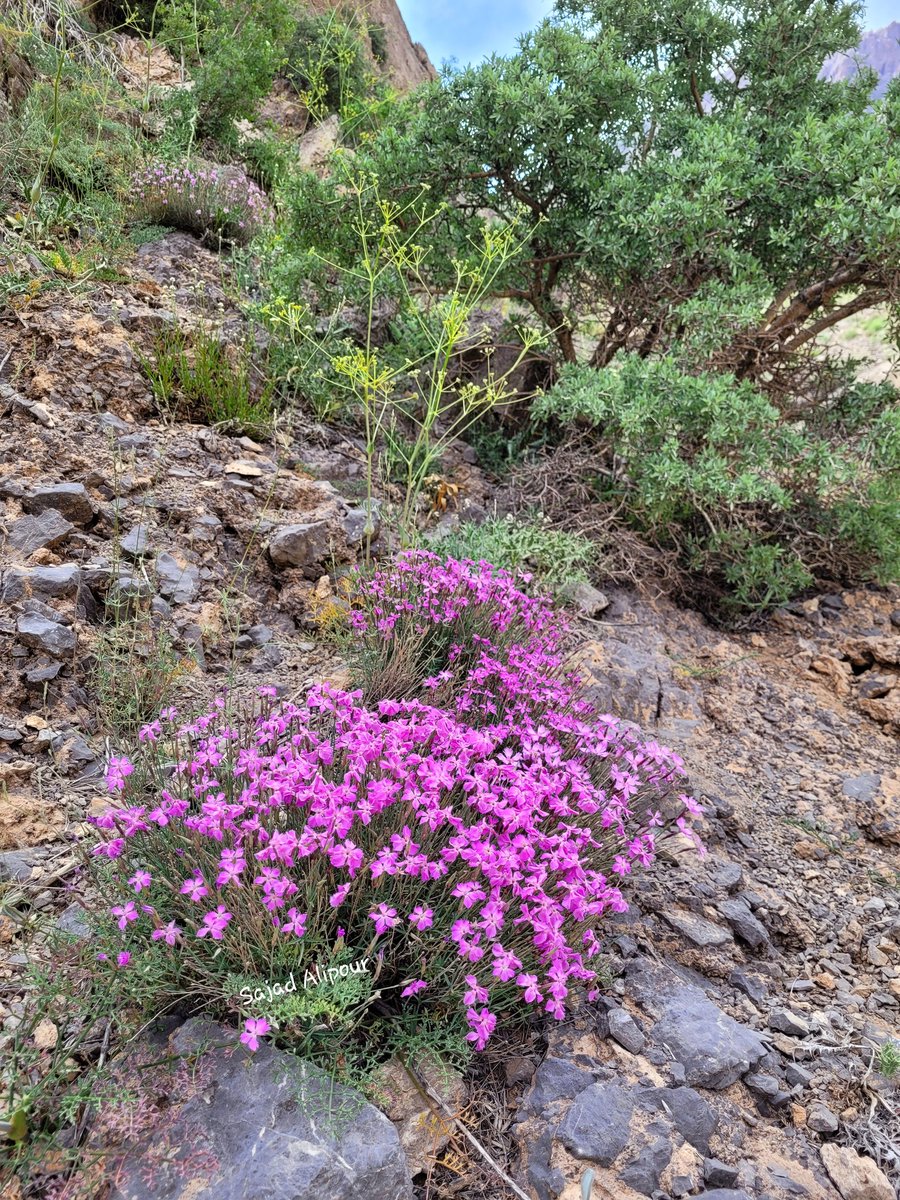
[734, 1054]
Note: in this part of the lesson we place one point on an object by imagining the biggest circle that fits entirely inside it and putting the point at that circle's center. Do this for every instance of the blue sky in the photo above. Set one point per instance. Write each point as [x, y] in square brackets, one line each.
[470, 29]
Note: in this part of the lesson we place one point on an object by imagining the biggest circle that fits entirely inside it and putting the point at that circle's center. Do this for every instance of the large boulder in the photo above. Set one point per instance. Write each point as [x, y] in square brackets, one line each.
[264, 1126]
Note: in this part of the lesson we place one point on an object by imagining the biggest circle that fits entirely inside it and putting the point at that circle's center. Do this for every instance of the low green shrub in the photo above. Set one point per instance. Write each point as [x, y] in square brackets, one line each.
[529, 544]
[758, 503]
[73, 136]
[196, 376]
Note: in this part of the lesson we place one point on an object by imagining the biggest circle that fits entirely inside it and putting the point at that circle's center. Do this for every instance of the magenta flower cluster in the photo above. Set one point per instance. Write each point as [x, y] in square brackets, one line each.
[477, 836]
[208, 201]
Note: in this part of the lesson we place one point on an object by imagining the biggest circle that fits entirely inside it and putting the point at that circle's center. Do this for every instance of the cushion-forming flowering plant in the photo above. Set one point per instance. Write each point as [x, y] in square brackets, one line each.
[424, 622]
[472, 847]
[205, 200]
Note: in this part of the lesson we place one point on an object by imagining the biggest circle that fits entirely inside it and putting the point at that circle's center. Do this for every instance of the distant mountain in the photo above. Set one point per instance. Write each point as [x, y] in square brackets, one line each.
[879, 49]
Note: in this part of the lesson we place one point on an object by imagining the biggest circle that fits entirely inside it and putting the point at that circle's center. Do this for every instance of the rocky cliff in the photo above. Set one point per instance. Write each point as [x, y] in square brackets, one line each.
[407, 62]
[880, 48]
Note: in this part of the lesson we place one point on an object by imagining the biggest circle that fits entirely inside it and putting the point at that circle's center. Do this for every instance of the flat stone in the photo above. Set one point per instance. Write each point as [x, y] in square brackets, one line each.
[69, 499]
[556, 1079]
[73, 921]
[307, 545]
[643, 1172]
[178, 582]
[713, 1048]
[822, 1120]
[136, 542]
[267, 1126]
[782, 1020]
[763, 1085]
[15, 866]
[797, 1076]
[588, 600]
[597, 1125]
[855, 1175]
[750, 985]
[42, 634]
[724, 1194]
[357, 525]
[692, 1116]
[42, 532]
[718, 1174]
[862, 787]
[747, 927]
[729, 875]
[624, 1030]
[698, 930]
[20, 583]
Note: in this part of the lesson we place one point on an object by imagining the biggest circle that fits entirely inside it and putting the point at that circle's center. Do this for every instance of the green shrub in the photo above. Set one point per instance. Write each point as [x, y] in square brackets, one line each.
[554, 558]
[196, 376]
[73, 137]
[243, 49]
[326, 62]
[758, 503]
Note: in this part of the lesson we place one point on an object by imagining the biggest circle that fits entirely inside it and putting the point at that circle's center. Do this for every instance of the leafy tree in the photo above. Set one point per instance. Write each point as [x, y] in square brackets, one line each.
[680, 175]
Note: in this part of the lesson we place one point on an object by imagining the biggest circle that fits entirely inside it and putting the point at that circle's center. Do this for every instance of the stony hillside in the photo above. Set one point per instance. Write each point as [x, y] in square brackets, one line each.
[166, 556]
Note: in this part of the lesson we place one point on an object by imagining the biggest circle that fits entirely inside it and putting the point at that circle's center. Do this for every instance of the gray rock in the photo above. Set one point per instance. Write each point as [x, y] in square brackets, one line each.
[177, 583]
[750, 985]
[15, 866]
[357, 525]
[713, 1048]
[109, 420]
[206, 528]
[307, 546]
[763, 1085]
[694, 1119]
[638, 684]
[136, 542]
[588, 600]
[718, 1174]
[598, 1123]
[134, 441]
[42, 634]
[258, 635]
[271, 1127]
[822, 1120]
[643, 1173]
[729, 876]
[747, 927]
[128, 587]
[862, 787]
[73, 921]
[697, 930]
[797, 1076]
[69, 499]
[725, 1194]
[44, 531]
[10, 735]
[623, 1029]
[19, 583]
[38, 676]
[782, 1020]
[555, 1079]
[546, 1181]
